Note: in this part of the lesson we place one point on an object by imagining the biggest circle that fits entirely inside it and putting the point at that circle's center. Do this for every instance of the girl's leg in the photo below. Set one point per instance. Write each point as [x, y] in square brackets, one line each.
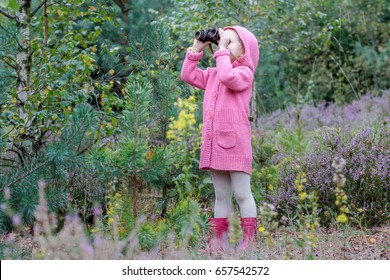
[241, 186]
[242, 191]
[223, 193]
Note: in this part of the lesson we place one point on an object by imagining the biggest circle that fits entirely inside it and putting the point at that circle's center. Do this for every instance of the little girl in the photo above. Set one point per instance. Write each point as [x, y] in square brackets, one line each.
[226, 134]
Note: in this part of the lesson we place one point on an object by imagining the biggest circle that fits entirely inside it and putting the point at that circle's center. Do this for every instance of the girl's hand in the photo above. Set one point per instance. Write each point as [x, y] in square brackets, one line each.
[224, 39]
[198, 46]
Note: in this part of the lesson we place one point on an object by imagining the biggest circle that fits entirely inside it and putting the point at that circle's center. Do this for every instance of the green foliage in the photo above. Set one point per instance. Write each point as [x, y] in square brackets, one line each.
[152, 63]
[308, 220]
[51, 164]
[61, 76]
[309, 50]
[8, 45]
[293, 142]
[235, 232]
[265, 175]
[185, 135]
[136, 113]
[186, 221]
[147, 237]
[12, 4]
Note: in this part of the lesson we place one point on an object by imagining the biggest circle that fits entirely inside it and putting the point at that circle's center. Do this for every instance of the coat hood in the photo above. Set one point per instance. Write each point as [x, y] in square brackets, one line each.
[251, 46]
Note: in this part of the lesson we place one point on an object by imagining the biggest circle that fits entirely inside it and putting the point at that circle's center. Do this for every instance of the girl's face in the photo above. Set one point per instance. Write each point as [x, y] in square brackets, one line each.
[235, 46]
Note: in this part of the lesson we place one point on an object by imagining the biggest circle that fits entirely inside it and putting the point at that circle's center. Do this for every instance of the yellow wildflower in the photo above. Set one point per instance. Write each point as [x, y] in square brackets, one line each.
[261, 228]
[110, 210]
[342, 218]
[302, 196]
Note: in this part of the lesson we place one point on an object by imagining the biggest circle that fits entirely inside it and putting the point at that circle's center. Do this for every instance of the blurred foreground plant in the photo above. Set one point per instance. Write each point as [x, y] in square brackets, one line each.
[341, 198]
[308, 220]
[72, 241]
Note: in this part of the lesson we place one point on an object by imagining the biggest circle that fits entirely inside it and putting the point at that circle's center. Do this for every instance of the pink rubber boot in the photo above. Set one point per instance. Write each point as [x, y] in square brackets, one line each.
[218, 228]
[249, 228]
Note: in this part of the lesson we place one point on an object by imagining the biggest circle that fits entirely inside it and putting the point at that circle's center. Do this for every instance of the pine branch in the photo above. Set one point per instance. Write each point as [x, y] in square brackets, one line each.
[152, 165]
[14, 18]
[67, 143]
[27, 174]
[80, 127]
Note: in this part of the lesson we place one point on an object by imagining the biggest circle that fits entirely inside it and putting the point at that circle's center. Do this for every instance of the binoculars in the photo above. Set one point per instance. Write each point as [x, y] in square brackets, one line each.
[209, 35]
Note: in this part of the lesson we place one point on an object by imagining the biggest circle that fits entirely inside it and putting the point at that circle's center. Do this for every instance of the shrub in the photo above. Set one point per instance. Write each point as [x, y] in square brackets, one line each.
[358, 132]
[367, 175]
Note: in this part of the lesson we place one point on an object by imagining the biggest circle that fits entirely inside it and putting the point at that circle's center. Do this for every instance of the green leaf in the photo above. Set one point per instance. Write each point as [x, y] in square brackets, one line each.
[3, 3]
[13, 4]
[54, 117]
[299, 243]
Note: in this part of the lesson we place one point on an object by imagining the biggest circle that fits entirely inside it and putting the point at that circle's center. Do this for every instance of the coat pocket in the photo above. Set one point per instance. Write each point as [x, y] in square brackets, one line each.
[226, 138]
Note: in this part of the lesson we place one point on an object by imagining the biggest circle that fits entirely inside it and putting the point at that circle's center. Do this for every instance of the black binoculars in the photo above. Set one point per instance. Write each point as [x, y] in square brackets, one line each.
[209, 35]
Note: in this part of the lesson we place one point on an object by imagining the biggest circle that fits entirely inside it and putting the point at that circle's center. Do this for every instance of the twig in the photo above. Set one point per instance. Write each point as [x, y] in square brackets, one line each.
[8, 159]
[8, 15]
[37, 8]
[6, 62]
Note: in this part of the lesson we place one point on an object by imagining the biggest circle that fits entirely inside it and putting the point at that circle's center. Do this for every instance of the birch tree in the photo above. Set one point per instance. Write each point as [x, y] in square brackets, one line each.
[23, 63]
[52, 54]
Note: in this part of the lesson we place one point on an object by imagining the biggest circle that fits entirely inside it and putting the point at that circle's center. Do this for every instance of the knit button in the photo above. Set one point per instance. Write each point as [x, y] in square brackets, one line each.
[208, 136]
[211, 115]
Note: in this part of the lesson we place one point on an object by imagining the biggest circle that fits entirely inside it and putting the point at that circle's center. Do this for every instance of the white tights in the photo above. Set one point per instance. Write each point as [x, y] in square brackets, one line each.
[227, 183]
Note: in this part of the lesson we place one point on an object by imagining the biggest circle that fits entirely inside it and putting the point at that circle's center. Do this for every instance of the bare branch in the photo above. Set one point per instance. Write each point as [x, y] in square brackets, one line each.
[37, 8]
[9, 57]
[7, 159]
[8, 16]
[3, 57]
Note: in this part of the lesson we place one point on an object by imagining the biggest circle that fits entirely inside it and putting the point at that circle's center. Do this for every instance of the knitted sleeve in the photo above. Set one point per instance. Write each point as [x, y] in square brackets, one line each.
[238, 78]
[191, 74]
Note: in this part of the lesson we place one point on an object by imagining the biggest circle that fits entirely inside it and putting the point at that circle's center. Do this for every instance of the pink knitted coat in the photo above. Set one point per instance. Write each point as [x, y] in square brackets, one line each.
[226, 132]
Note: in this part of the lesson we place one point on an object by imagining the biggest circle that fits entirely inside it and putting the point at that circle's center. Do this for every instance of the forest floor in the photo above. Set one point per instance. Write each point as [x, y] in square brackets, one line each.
[331, 244]
[347, 244]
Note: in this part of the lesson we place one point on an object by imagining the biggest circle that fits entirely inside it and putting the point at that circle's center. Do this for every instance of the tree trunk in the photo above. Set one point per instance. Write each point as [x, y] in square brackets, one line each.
[23, 55]
[253, 107]
[135, 184]
[165, 201]
[46, 24]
